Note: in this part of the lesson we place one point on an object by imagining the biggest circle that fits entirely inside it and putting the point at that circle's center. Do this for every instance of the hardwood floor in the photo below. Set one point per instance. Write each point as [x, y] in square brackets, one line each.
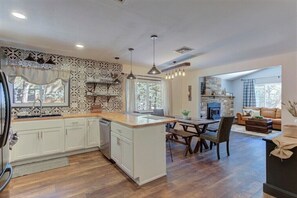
[90, 175]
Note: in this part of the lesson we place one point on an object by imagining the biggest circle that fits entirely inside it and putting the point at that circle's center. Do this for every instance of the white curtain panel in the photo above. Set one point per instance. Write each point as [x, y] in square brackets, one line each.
[166, 84]
[36, 75]
[130, 96]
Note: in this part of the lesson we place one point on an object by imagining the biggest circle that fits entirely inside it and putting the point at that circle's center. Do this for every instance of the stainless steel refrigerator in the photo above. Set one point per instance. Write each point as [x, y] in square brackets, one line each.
[5, 118]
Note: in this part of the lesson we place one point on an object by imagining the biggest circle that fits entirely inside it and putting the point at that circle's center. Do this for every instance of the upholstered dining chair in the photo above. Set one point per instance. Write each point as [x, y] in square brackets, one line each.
[222, 135]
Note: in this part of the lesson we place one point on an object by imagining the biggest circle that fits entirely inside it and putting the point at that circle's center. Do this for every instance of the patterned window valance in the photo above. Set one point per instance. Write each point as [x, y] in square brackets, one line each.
[35, 75]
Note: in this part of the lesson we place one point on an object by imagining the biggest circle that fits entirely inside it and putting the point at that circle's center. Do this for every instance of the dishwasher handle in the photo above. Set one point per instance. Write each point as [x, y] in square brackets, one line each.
[105, 122]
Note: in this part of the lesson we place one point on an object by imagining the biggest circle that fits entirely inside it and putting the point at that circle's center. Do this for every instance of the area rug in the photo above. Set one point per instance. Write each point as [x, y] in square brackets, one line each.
[241, 129]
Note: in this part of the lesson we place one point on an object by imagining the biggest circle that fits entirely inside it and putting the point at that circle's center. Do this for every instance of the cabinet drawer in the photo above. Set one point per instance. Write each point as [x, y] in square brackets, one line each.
[122, 130]
[75, 122]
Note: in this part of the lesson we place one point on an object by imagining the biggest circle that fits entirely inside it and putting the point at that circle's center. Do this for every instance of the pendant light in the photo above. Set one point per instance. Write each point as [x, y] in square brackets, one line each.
[131, 75]
[184, 73]
[179, 72]
[154, 70]
[117, 81]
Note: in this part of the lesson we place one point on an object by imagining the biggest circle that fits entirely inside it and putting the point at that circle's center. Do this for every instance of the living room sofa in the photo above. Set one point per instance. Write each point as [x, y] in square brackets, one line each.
[273, 113]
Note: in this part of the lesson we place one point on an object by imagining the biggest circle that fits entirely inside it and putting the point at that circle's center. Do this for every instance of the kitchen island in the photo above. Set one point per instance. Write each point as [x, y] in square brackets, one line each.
[138, 145]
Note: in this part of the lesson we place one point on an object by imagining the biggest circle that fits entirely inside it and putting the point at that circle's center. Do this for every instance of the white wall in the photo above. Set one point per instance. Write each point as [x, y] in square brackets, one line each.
[267, 75]
[289, 80]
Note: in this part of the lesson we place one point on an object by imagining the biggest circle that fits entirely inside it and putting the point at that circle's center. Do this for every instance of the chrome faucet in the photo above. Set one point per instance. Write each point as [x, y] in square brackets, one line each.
[40, 106]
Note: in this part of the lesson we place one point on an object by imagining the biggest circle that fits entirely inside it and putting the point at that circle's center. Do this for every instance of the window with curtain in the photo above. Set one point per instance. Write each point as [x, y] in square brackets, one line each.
[148, 95]
[268, 95]
[24, 93]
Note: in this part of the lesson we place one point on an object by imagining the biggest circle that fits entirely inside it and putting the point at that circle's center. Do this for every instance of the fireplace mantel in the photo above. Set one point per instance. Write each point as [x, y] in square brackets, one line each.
[217, 96]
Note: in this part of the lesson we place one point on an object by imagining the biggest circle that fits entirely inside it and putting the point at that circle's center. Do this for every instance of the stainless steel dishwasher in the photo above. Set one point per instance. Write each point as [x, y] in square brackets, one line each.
[105, 131]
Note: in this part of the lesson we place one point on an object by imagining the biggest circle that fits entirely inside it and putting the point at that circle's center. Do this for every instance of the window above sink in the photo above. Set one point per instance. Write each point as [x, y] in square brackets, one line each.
[23, 93]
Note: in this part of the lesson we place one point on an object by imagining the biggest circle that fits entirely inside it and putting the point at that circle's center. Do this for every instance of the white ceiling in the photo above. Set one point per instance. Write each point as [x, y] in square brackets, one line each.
[236, 75]
[220, 31]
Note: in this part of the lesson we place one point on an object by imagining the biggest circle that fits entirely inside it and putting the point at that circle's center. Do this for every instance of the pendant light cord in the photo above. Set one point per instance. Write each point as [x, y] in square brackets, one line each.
[154, 51]
[131, 60]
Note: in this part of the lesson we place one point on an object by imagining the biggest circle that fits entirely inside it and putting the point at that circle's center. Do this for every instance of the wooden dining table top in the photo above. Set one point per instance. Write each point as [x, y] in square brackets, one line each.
[195, 121]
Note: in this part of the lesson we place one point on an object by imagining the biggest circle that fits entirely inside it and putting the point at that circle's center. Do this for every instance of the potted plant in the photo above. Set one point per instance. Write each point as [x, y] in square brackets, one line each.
[185, 114]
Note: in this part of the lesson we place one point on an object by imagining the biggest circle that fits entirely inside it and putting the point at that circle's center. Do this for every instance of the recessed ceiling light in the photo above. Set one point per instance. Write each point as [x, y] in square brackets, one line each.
[18, 15]
[79, 46]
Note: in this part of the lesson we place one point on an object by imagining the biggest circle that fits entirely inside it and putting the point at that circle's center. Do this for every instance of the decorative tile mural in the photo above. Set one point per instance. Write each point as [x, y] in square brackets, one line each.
[80, 70]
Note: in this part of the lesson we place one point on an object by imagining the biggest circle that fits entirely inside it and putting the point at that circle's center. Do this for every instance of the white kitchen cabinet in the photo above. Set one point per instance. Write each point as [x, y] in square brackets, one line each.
[74, 138]
[127, 155]
[93, 132]
[52, 141]
[27, 146]
[75, 131]
[122, 147]
[140, 152]
[38, 138]
[116, 148]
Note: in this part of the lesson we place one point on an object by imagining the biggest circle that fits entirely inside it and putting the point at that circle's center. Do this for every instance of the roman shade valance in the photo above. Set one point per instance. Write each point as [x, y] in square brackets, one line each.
[39, 76]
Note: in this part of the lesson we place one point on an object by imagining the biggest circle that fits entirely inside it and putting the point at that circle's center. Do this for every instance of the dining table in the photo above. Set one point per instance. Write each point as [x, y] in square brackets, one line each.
[199, 124]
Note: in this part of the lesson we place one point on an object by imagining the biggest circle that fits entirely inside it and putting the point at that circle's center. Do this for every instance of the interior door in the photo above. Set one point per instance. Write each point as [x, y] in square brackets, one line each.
[5, 106]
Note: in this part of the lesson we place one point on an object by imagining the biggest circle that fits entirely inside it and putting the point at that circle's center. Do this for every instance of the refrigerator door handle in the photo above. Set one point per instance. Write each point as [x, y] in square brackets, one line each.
[8, 169]
[7, 110]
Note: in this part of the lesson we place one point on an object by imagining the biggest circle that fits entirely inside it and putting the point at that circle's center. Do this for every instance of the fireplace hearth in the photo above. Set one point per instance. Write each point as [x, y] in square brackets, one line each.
[213, 110]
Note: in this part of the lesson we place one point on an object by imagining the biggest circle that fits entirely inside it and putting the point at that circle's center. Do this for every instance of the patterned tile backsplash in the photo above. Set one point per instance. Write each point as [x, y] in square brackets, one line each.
[80, 71]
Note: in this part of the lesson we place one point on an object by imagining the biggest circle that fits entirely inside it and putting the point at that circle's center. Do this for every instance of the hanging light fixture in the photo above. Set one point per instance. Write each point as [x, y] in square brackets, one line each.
[179, 72]
[169, 77]
[117, 81]
[131, 75]
[166, 77]
[172, 75]
[184, 73]
[175, 73]
[154, 70]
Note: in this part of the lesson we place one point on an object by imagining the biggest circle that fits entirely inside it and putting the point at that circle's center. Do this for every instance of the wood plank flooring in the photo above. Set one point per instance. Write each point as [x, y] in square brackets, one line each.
[90, 175]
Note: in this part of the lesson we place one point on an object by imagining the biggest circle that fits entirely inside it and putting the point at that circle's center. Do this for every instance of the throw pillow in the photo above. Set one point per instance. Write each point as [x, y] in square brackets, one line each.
[255, 113]
[247, 112]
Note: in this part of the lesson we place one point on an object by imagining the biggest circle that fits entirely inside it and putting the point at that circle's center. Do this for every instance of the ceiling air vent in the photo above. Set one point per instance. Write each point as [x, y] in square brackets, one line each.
[121, 1]
[183, 50]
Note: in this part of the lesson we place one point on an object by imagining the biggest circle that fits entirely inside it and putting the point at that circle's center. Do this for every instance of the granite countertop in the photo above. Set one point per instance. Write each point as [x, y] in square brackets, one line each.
[129, 120]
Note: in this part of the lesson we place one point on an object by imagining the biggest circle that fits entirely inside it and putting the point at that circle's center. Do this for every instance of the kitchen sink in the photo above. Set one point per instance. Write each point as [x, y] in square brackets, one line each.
[38, 116]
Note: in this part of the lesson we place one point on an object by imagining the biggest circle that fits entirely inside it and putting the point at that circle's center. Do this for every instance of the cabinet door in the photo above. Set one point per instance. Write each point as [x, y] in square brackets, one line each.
[116, 148]
[93, 132]
[74, 138]
[28, 145]
[52, 141]
[127, 156]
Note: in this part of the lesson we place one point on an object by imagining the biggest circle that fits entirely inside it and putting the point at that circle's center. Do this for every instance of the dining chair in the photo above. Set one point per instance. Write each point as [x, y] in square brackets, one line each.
[222, 135]
[158, 112]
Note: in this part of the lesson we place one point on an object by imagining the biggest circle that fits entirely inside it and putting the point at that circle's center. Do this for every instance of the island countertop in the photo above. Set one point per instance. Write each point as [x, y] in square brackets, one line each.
[129, 120]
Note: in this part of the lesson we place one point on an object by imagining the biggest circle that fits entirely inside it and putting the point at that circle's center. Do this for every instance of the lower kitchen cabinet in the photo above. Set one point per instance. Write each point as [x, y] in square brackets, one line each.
[127, 156]
[122, 149]
[37, 139]
[93, 132]
[74, 138]
[52, 141]
[140, 152]
[28, 145]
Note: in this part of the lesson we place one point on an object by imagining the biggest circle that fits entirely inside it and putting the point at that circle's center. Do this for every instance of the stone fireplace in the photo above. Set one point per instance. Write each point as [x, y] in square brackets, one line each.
[214, 102]
[213, 110]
